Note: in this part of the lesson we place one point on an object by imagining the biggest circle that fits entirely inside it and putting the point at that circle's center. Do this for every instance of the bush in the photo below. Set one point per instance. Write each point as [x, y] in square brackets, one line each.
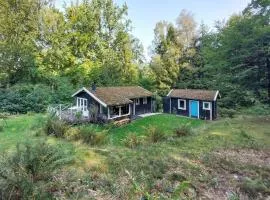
[181, 131]
[132, 140]
[93, 137]
[224, 112]
[55, 127]
[27, 173]
[154, 134]
[23, 98]
[72, 134]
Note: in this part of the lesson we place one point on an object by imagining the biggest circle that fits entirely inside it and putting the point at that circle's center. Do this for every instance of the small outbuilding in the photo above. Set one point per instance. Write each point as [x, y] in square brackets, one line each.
[201, 104]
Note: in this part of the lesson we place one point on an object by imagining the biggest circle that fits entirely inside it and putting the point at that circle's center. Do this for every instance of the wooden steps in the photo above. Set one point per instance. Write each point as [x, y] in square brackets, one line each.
[122, 122]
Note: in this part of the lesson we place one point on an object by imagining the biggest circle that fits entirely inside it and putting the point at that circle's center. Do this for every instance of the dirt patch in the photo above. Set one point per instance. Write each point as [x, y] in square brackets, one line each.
[246, 156]
[237, 173]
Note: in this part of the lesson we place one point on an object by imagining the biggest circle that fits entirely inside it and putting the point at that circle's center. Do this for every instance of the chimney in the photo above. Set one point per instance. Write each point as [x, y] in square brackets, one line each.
[94, 87]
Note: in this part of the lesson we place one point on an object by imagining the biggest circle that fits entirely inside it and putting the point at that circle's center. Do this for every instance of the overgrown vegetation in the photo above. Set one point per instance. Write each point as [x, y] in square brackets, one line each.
[28, 172]
[220, 159]
[86, 134]
[183, 130]
[132, 140]
[155, 134]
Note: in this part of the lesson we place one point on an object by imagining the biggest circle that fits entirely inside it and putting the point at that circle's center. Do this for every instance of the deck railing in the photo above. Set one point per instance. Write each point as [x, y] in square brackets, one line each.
[65, 111]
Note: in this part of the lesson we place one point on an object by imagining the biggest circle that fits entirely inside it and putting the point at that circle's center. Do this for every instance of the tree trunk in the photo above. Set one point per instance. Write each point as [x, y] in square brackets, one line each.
[268, 77]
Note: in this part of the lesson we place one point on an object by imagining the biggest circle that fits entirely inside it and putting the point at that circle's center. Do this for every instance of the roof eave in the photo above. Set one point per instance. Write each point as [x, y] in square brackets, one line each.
[91, 94]
[217, 95]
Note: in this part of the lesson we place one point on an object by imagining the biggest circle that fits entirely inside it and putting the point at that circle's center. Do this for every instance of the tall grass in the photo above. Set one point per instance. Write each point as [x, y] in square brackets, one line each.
[27, 173]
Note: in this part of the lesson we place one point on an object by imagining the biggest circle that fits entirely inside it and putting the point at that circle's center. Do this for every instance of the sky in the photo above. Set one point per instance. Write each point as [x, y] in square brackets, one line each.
[144, 14]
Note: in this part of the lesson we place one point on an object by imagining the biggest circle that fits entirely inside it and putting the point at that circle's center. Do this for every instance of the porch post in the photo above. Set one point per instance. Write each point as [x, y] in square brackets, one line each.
[100, 108]
[134, 107]
[108, 112]
[120, 111]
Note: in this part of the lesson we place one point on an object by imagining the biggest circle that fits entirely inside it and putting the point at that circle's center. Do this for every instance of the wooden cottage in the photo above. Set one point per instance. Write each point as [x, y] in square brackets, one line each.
[114, 102]
[201, 104]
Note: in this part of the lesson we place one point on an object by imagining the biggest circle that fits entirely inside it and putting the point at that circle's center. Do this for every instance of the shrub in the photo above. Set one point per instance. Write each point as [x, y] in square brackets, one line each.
[27, 173]
[23, 98]
[154, 134]
[55, 127]
[224, 112]
[132, 140]
[181, 131]
[91, 136]
[72, 133]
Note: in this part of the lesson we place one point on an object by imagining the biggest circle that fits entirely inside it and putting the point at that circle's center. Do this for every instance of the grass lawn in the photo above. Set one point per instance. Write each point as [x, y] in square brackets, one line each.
[224, 159]
[19, 128]
[165, 122]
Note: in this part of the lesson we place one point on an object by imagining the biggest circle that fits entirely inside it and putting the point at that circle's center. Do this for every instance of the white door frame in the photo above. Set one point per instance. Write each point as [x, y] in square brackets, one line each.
[190, 107]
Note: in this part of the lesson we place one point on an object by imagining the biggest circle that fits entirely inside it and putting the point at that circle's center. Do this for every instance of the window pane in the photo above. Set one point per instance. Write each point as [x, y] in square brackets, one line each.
[125, 110]
[182, 104]
[115, 111]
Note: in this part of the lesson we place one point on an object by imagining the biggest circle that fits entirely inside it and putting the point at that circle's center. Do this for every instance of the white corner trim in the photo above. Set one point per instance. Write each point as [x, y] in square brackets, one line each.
[91, 94]
[216, 95]
[170, 92]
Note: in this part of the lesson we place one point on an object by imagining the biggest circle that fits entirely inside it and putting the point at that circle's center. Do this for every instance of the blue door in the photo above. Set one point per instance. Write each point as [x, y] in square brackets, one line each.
[194, 108]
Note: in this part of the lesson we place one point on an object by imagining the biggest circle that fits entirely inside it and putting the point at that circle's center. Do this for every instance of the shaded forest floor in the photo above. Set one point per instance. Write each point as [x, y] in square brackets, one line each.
[224, 159]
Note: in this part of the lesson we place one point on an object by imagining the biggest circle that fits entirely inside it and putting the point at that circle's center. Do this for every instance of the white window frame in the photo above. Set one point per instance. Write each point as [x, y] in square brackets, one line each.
[185, 104]
[82, 103]
[137, 101]
[209, 105]
[145, 100]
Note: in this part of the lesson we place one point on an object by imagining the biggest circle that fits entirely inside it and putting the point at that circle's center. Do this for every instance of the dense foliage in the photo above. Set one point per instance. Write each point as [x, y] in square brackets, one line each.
[91, 42]
[233, 59]
[27, 172]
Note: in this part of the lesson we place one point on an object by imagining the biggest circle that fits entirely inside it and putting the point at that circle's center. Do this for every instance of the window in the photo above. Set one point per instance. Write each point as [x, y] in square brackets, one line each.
[125, 109]
[115, 111]
[181, 104]
[206, 105]
[82, 102]
[137, 101]
[145, 100]
[118, 111]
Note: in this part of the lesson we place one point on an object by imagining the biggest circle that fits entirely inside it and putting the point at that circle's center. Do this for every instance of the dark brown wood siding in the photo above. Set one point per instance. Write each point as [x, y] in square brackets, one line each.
[91, 102]
[142, 108]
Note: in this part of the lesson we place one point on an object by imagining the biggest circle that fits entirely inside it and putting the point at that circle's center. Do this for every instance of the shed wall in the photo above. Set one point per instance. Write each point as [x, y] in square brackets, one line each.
[170, 105]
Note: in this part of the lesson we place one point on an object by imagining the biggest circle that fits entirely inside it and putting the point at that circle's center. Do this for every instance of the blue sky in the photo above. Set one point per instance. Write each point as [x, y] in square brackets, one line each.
[144, 14]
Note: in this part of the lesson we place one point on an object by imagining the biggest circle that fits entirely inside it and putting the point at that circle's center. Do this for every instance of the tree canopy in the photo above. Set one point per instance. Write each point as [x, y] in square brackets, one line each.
[91, 42]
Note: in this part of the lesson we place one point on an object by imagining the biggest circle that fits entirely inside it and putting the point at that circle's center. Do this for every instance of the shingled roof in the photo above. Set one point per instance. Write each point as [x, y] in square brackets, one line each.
[117, 95]
[206, 95]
